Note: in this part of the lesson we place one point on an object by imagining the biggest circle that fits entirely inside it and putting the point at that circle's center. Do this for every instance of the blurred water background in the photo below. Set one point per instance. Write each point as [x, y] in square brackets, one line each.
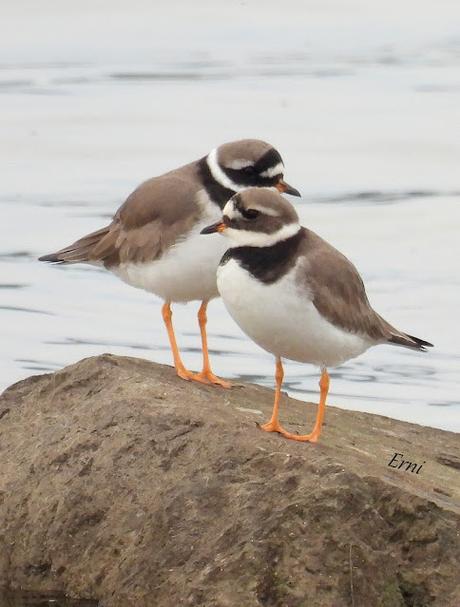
[362, 98]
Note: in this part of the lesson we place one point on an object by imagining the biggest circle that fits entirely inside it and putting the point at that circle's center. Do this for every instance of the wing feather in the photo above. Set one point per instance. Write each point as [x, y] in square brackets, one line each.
[154, 216]
[339, 295]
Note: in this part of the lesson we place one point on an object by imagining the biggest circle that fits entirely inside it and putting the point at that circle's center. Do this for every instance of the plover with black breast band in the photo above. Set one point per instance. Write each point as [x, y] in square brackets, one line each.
[154, 242]
[294, 294]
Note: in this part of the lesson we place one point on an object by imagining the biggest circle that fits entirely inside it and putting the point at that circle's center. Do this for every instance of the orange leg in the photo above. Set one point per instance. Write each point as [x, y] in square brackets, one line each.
[178, 364]
[274, 426]
[207, 376]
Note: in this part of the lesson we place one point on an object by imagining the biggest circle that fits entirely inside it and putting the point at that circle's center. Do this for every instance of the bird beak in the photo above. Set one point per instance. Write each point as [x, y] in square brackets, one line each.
[215, 227]
[285, 188]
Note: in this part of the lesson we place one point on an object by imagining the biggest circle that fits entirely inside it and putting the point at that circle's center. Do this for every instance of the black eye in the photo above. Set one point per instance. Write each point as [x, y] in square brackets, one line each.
[249, 170]
[250, 213]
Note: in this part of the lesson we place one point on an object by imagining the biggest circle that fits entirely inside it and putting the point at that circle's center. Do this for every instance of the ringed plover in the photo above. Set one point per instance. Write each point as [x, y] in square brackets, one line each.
[154, 242]
[294, 294]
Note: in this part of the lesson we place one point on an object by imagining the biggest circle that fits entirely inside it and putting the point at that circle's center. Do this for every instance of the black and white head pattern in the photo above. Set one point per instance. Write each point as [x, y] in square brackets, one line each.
[259, 217]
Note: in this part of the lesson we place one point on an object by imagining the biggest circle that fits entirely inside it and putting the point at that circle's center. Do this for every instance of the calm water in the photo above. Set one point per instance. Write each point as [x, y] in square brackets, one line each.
[364, 107]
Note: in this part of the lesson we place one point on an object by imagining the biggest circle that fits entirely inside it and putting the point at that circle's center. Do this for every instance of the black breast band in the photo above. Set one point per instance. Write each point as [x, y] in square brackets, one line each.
[267, 264]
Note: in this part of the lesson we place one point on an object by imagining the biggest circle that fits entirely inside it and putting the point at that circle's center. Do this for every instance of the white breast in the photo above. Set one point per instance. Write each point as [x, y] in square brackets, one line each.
[187, 271]
[282, 319]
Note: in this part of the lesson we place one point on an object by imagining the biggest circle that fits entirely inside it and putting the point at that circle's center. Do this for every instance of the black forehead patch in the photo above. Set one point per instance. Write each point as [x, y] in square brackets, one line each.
[253, 178]
[239, 206]
[268, 160]
[237, 202]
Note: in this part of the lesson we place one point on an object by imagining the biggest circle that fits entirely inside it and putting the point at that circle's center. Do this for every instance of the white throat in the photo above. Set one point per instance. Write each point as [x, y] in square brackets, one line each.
[219, 174]
[246, 238]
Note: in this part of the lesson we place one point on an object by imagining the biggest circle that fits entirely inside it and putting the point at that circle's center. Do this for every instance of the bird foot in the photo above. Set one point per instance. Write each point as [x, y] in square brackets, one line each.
[184, 373]
[275, 426]
[207, 377]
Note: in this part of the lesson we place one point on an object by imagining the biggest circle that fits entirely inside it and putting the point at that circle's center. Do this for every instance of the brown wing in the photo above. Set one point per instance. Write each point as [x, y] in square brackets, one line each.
[154, 216]
[339, 294]
[78, 251]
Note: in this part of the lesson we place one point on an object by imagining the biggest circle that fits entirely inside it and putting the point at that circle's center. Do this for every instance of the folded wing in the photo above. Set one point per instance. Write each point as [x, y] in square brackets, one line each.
[339, 295]
[158, 213]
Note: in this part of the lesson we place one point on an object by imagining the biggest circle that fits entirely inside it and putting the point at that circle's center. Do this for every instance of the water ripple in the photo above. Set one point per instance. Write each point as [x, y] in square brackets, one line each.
[28, 310]
[384, 197]
[13, 286]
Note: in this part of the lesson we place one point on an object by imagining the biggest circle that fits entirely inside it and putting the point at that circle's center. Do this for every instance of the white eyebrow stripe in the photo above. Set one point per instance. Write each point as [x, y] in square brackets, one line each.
[218, 173]
[240, 163]
[264, 210]
[232, 212]
[272, 171]
[261, 239]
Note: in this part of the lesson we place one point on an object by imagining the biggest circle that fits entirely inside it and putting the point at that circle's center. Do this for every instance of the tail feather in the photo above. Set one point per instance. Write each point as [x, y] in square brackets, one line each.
[79, 251]
[409, 341]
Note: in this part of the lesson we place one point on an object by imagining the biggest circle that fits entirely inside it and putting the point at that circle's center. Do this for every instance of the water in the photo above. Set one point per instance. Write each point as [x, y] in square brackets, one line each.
[363, 104]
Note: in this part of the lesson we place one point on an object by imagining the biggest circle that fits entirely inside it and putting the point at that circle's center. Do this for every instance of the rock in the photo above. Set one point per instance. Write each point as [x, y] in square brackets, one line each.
[122, 483]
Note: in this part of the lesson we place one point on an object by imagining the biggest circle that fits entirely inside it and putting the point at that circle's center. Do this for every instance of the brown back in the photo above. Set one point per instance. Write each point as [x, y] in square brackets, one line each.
[337, 289]
[158, 212]
[153, 217]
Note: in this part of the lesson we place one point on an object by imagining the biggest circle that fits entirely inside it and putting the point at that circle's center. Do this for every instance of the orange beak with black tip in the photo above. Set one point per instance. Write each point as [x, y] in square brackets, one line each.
[285, 188]
[215, 227]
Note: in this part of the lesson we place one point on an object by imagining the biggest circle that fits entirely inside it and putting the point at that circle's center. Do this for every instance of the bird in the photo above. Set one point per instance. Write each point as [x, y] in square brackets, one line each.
[153, 241]
[295, 295]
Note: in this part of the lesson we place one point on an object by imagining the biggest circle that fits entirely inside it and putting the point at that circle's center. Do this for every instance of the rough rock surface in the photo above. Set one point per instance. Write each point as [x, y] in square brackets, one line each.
[122, 483]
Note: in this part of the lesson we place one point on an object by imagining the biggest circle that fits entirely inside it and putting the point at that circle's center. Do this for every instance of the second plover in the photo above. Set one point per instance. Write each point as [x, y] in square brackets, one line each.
[154, 242]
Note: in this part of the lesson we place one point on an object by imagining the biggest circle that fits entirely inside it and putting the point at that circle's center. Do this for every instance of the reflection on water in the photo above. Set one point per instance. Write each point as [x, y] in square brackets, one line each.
[12, 286]
[19, 599]
[355, 198]
[363, 114]
[23, 309]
